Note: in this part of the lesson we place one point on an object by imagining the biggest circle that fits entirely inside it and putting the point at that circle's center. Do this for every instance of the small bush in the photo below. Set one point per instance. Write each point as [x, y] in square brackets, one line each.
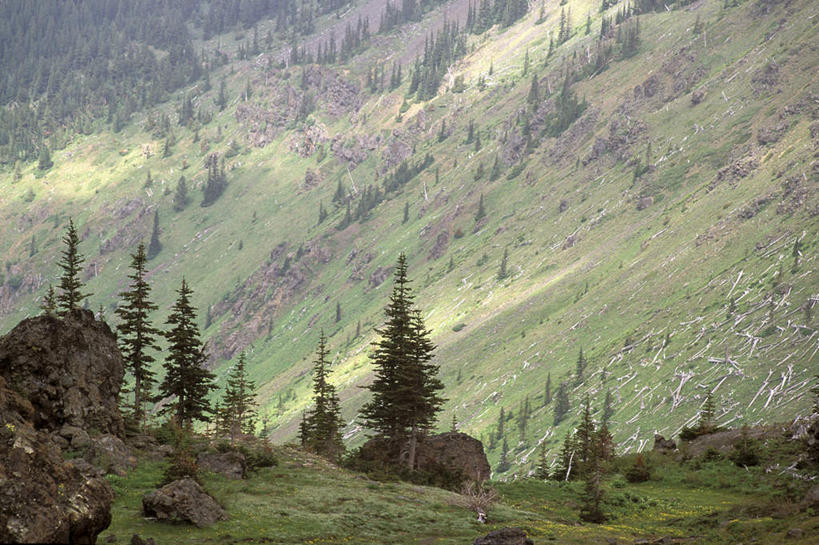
[639, 472]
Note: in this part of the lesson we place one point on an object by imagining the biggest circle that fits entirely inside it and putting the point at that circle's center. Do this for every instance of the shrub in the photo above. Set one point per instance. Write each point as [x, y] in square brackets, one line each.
[639, 472]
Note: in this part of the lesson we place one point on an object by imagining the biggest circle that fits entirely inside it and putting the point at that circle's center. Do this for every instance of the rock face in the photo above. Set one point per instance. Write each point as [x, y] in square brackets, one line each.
[70, 370]
[505, 536]
[456, 451]
[230, 464]
[183, 500]
[109, 453]
[663, 445]
[44, 499]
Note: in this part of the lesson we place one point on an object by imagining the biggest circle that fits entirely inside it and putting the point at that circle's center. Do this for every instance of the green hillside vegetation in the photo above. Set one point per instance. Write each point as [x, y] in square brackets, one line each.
[648, 197]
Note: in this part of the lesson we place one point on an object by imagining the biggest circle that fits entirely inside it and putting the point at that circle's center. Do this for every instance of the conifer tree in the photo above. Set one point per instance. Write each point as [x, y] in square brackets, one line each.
[534, 92]
[567, 460]
[547, 391]
[499, 429]
[406, 388]
[180, 196]
[239, 404]
[561, 403]
[608, 410]
[338, 311]
[503, 464]
[586, 438]
[322, 424]
[186, 378]
[155, 246]
[502, 272]
[49, 304]
[580, 367]
[70, 284]
[137, 337]
[479, 215]
[44, 161]
[542, 471]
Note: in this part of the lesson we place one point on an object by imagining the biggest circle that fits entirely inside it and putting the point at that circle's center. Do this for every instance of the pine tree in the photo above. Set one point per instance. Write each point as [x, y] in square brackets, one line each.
[338, 311]
[406, 388]
[608, 410]
[155, 246]
[499, 429]
[561, 403]
[49, 304]
[322, 424]
[70, 284]
[567, 460]
[137, 337]
[406, 213]
[542, 471]
[221, 100]
[586, 438]
[44, 161]
[547, 391]
[185, 375]
[502, 272]
[180, 196]
[481, 213]
[503, 464]
[580, 367]
[239, 404]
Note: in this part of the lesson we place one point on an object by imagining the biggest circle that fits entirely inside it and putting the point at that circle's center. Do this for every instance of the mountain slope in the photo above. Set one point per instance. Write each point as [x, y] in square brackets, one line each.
[656, 232]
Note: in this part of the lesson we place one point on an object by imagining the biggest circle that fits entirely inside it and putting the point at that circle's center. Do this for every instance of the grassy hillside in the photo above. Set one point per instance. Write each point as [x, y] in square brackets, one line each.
[656, 232]
[304, 499]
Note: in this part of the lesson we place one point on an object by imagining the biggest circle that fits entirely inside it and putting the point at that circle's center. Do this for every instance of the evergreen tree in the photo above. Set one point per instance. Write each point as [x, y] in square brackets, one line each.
[406, 388]
[49, 304]
[542, 471]
[502, 272]
[70, 284]
[547, 391]
[338, 311]
[239, 404]
[608, 410]
[561, 403]
[479, 215]
[499, 429]
[155, 246]
[503, 464]
[567, 460]
[322, 424]
[44, 161]
[406, 213]
[221, 100]
[580, 367]
[137, 337]
[186, 378]
[534, 92]
[586, 438]
[180, 196]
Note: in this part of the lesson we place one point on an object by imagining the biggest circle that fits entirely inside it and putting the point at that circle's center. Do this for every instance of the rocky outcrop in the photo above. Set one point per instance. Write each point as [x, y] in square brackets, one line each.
[70, 370]
[183, 501]
[455, 451]
[44, 499]
[663, 445]
[230, 464]
[110, 453]
[505, 536]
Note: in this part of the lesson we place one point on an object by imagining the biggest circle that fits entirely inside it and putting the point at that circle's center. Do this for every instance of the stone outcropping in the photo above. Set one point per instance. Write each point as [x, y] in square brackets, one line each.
[230, 464]
[454, 452]
[70, 370]
[663, 445]
[44, 499]
[110, 453]
[183, 501]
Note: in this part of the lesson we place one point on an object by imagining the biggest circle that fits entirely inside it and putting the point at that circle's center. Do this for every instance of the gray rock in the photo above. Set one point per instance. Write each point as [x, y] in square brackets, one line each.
[230, 464]
[110, 454]
[795, 533]
[183, 500]
[37, 355]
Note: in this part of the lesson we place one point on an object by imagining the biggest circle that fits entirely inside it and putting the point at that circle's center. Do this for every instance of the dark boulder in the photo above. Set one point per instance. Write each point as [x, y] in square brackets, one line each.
[44, 499]
[183, 501]
[663, 445]
[110, 453]
[230, 464]
[70, 369]
[505, 536]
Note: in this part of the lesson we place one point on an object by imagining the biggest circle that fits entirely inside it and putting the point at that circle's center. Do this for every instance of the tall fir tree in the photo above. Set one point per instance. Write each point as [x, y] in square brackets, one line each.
[542, 471]
[137, 337]
[49, 304]
[561, 403]
[580, 367]
[186, 379]
[323, 424]
[70, 285]
[547, 390]
[239, 402]
[155, 246]
[406, 388]
[180, 196]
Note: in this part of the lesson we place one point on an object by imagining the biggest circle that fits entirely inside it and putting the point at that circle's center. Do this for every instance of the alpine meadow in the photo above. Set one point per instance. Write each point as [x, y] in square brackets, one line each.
[420, 272]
